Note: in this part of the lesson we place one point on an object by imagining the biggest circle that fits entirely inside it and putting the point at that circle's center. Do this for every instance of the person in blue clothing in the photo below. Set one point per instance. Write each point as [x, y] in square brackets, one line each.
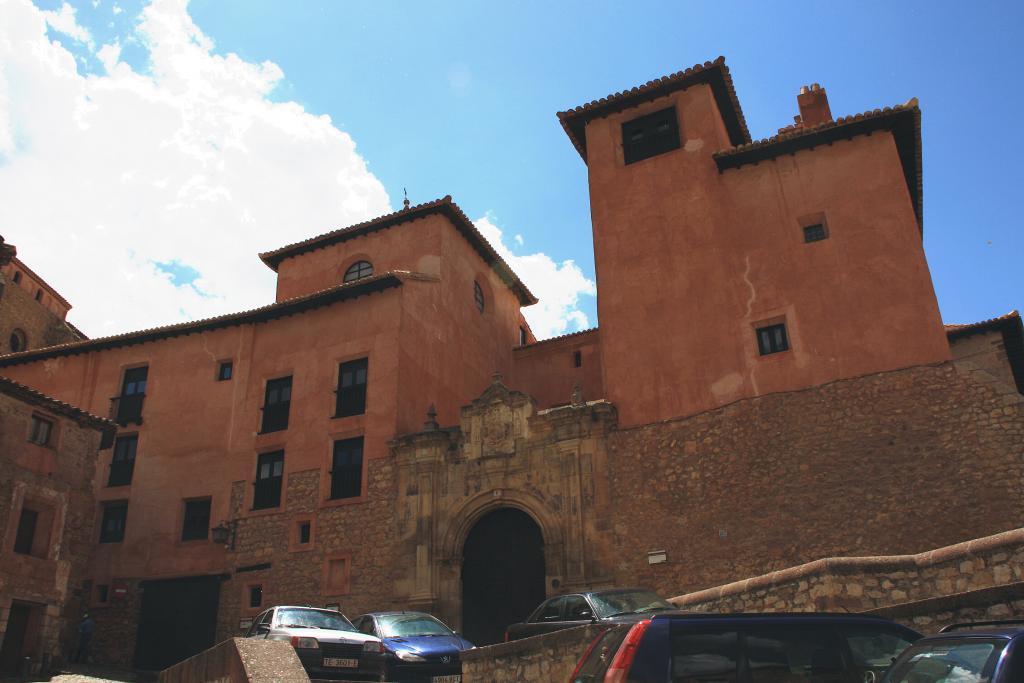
[85, 630]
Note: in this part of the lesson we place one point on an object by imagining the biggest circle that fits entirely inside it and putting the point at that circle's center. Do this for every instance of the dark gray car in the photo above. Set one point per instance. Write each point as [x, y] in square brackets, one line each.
[578, 609]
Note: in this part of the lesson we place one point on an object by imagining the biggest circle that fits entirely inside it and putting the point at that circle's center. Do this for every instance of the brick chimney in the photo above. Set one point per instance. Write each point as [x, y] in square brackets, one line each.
[813, 103]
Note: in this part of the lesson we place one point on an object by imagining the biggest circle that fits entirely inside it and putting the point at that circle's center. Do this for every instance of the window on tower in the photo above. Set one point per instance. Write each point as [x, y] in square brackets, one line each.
[650, 135]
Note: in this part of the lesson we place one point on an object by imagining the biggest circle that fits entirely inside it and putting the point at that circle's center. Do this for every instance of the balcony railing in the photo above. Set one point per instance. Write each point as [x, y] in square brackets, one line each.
[125, 410]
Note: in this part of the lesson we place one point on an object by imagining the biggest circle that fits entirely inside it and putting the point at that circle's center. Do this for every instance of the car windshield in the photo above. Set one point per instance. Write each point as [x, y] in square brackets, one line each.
[627, 602]
[874, 648]
[948, 661]
[313, 618]
[408, 625]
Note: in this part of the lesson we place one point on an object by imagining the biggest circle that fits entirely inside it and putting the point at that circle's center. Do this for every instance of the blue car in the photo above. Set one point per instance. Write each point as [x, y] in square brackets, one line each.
[980, 652]
[419, 648]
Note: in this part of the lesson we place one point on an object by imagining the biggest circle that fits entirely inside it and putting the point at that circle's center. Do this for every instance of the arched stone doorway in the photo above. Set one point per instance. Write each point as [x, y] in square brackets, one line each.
[502, 574]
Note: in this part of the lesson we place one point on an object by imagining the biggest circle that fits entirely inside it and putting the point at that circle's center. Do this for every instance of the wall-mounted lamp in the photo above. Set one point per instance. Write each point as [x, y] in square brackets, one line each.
[224, 533]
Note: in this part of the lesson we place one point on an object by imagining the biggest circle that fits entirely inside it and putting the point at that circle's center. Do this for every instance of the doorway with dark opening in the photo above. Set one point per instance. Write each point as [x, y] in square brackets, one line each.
[178, 619]
[21, 638]
[502, 574]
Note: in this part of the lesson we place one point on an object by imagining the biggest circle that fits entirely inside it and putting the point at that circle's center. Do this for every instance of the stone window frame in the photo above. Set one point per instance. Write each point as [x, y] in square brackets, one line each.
[327, 464]
[53, 435]
[54, 506]
[345, 587]
[294, 546]
[263, 584]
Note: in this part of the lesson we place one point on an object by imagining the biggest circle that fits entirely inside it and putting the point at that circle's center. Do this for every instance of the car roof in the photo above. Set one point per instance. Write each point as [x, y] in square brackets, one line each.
[395, 613]
[309, 607]
[1009, 633]
[838, 617]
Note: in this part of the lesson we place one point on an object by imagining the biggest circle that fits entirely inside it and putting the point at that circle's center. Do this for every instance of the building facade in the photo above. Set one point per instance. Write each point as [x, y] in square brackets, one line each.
[48, 459]
[771, 383]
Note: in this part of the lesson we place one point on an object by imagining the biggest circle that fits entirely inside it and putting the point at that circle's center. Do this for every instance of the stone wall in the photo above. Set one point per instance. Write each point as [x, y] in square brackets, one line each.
[238, 660]
[20, 310]
[894, 463]
[976, 579]
[541, 659]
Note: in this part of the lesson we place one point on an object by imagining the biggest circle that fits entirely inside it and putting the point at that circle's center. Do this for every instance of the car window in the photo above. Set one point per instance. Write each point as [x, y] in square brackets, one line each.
[576, 608]
[784, 653]
[874, 647]
[365, 625]
[295, 617]
[704, 655]
[593, 669]
[947, 661]
[409, 625]
[252, 627]
[627, 602]
[552, 610]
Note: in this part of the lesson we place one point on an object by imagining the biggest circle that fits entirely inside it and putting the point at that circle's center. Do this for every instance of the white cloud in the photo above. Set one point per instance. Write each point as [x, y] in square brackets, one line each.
[109, 180]
[559, 286]
[63, 21]
[104, 176]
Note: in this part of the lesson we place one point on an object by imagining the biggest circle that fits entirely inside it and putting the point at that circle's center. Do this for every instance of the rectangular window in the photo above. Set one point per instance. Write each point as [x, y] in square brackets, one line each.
[347, 468]
[793, 653]
[41, 431]
[305, 529]
[269, 475]
[255, 596]
[115, 515]
[276, 402]
[122, 462]
[815, 233]
[351, 394]
[196, 525]
[577, 359]
[772, 339]
[224, 371]
[133, 392]
[650, 135]
[26, 535]
[522, 336]
[102, 593]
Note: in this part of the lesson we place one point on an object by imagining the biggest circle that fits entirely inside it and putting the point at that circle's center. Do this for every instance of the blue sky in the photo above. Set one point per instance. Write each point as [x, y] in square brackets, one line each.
[460, 98]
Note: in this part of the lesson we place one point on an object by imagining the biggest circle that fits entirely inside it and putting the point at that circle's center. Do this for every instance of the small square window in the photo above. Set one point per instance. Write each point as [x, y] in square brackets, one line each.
[255, 596]
[102, 593]
[772, 339]
[41, 431]
[577, 359]
[115, 517]
[224, 371]
[815, 233]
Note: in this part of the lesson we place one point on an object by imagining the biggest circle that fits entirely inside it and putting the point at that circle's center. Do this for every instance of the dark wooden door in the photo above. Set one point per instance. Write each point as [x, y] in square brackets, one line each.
[178, 619]
[14, 638]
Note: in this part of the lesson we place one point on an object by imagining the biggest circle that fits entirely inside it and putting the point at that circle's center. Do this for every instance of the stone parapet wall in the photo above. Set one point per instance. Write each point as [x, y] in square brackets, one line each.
[887, 464]
[976, 579]
[548, 658]
[238, 660]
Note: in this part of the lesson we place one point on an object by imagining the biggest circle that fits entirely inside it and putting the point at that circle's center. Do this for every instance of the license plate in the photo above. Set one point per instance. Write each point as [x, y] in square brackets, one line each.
[341, 663]
[454, 678]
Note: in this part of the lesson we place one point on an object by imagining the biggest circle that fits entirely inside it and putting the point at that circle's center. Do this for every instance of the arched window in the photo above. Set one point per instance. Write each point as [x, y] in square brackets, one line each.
[18, 341]
[478, 296]
[358, 270]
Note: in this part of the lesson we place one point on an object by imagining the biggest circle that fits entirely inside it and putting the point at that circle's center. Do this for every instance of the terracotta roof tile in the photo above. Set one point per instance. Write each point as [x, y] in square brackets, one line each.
[579, 333]
[903, 120]
[963, 330]
[29, 395]
[342, 292]
[444, 206]
[716, 74]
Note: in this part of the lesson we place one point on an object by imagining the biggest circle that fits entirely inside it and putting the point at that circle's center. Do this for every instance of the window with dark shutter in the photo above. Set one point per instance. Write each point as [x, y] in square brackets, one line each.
[224, 371]
[347, 468]
[577, 359]
[478, 296]
[115, 517]
[269, 475]
[255, 596]
[196, 524]
[122, 462]
[522, 336]
[128, 406]
[41, 431]
[276, 403]
[815, 233]
[772, 339]
[304, 532]
[26, 535]
[650, 135]
[351, 393]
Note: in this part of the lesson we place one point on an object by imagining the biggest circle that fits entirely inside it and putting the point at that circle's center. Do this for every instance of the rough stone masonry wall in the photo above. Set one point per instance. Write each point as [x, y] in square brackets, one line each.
[925, 590]
[19, 309]
[548, 658]
[893, 463]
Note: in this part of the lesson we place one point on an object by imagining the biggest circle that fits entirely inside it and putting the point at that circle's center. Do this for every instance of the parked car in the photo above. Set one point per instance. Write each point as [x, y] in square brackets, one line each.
[327, 643]
[577, 609]
[420, 648]
[685, 647]
[981, 652]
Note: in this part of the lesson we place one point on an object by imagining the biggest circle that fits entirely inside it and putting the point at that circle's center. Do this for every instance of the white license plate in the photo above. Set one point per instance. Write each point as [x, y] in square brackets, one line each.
[341, 663]
[454, 678]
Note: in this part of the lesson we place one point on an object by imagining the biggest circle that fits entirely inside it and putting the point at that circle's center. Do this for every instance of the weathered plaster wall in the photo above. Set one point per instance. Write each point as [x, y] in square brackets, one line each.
[893, 463]
[547, 370]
